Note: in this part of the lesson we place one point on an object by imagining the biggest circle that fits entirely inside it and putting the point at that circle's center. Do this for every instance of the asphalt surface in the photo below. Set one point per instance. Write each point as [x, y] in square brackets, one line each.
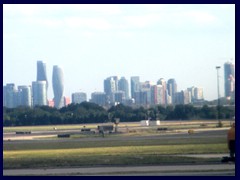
[170, 170]
[221, 169]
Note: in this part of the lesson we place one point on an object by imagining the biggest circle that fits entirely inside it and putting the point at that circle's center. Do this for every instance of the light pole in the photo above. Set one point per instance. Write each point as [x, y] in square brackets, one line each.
[218, 104]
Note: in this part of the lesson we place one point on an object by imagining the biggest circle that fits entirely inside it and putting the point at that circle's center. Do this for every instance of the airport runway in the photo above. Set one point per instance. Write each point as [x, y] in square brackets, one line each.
[227, 169]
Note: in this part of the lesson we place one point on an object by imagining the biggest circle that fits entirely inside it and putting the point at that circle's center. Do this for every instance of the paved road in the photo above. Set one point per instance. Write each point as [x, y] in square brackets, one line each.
[172, 170]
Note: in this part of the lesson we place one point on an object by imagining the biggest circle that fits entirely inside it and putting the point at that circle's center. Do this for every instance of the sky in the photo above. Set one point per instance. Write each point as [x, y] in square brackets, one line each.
[92, 42]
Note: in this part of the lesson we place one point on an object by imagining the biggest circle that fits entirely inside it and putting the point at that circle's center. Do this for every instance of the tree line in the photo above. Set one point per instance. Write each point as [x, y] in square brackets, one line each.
[87, 112]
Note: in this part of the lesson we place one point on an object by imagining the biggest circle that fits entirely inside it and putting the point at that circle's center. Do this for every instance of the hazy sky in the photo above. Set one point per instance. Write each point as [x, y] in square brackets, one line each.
[93, 42]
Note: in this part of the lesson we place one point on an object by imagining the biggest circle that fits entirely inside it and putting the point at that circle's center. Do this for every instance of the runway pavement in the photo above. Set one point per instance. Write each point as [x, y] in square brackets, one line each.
[170, 170]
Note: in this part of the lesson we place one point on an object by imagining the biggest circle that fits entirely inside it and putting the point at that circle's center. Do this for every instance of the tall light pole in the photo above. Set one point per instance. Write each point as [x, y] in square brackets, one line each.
[218, 104]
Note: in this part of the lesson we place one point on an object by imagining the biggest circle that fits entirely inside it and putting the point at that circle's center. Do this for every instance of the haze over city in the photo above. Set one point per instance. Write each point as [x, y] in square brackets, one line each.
[93, 42]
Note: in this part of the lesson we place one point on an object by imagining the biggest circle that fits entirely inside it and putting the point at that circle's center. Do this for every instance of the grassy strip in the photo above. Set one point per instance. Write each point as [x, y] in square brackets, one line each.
[125, 155]
[37, 145]
[123, 125]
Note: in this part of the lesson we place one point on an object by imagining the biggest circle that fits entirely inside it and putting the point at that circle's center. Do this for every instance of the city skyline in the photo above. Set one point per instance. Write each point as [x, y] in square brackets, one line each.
[92, 42]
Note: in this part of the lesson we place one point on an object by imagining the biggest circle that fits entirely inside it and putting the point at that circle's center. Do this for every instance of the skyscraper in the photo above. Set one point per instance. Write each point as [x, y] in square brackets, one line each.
[110, 86]
[172, 89]
[25, 96]
[123, 86]
[41, 72]
[39, 93]
[229, 79]
[58, 87]
[10, 95]
[162, 82]
[135, 85]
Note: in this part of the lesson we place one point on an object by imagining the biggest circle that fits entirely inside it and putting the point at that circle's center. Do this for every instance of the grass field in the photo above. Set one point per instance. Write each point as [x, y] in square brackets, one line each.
[120, 155]
[114, 149]
[175, 125]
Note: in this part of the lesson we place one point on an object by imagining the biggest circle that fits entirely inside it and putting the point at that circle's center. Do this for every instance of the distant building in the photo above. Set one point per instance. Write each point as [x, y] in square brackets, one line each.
[110, 86]
[162, 82]
[196, 94]
[58, 86]
[143, 97]
[39, 92]
[99, 98]
[10, 95]
[67, 101]
[135, 85]
[172, 90]
[229, 79]
[156, 94]
[42, 73]
[25, 96]
[123, 86]
[50, 103]
[119, 97]
[79, 97]
[183, 97]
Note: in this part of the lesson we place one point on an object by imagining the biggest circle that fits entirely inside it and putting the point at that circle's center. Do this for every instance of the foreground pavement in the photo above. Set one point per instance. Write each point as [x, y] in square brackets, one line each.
[227, 169]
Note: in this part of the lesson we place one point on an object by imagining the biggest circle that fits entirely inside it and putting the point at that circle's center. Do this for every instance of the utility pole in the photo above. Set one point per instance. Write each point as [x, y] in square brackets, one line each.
[218, 104]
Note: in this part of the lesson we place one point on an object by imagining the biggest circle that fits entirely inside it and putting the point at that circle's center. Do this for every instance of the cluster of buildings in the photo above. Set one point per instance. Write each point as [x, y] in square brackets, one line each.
[36, 95]
[115, 91]
[144, 93]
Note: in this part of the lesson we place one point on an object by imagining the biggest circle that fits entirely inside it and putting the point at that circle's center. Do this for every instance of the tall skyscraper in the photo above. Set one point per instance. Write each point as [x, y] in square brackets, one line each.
[162, 82]
[229, 79]
[156, 94]
[123, 86]
[58, 86]
[172, 89]
[198, 94]
[25, 96]
[135, 85]
[41, 72]
[110, 87]
[39, 93]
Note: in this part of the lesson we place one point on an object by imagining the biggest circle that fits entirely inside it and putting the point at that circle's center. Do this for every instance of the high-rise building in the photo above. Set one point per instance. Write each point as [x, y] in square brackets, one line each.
[183, 97]
[172, 89]
[135, 85]
[123, 86]
[10, 96]
[229, 79]
[119, 97]
[162, 82]
[39, 92]
[156, 94]
[41, 72]
[58, 86]
[79, 97]
[99, 98]
[110, 86]
[25, 96]
[198, 94]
